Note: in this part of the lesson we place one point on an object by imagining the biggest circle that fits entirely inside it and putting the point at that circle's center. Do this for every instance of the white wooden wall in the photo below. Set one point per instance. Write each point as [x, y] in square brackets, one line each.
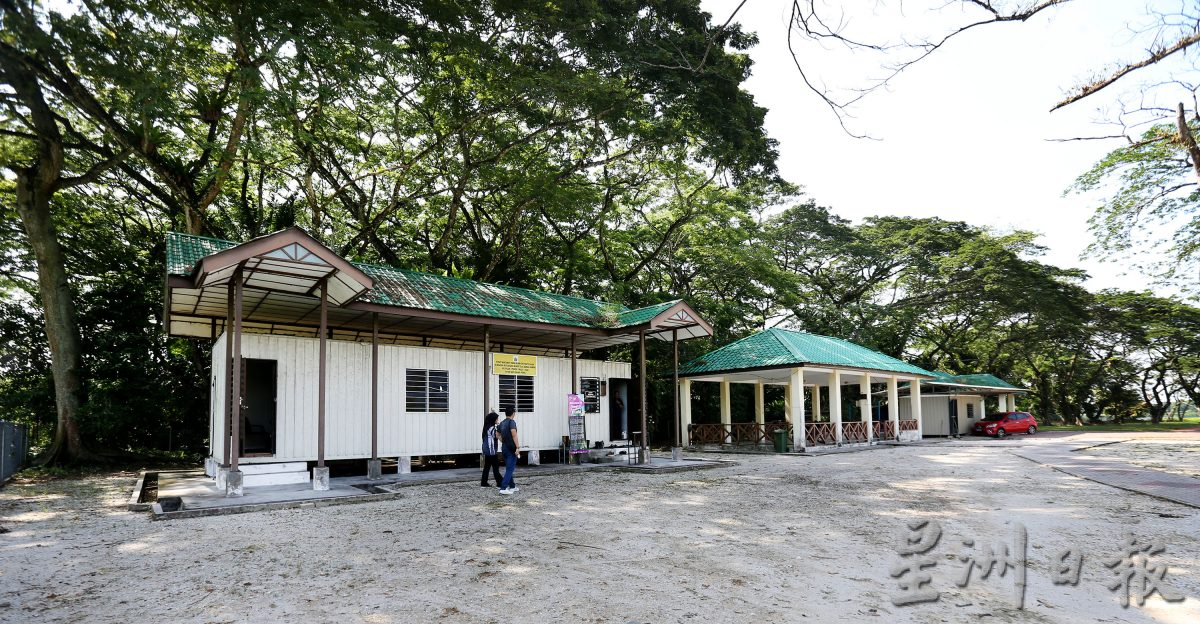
[935, 413]
[348, 400]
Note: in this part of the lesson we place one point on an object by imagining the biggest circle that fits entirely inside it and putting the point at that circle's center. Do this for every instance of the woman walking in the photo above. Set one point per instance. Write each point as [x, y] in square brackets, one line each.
[490, 459]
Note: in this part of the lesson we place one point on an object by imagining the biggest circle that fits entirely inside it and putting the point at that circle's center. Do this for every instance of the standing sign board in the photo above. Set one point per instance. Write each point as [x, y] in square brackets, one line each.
[575, 424]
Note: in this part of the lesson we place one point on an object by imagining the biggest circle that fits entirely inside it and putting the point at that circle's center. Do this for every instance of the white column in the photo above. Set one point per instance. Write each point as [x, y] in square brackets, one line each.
[982, 407]
[816, 402]
[867, 417]
[915, 395]
[796, 393]
[685, 406]
[726, 414]
[893, 395]
[760, 408]
[835, 404]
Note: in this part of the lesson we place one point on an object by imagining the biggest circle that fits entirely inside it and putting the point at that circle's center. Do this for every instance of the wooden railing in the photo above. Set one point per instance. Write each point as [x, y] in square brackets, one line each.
[707, 434]
[818, 433]
[854, 432]
[737, 433]
[908, 425]
[883, 430]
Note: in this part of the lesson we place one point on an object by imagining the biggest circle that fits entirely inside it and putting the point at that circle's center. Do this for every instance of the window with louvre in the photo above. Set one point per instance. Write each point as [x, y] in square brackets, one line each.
[427, 390]
[516, 391]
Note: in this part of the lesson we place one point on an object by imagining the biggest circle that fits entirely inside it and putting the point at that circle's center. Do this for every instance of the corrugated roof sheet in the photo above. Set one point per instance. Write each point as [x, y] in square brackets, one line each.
[780, 347]
[426, 291]
[981, 380]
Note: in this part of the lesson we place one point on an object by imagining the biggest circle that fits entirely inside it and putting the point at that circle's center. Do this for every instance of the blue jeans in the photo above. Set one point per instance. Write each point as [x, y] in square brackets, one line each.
[510, 464]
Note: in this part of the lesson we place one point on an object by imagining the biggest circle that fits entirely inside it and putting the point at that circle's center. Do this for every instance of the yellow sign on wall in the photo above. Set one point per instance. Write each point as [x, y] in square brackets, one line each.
[506, 364]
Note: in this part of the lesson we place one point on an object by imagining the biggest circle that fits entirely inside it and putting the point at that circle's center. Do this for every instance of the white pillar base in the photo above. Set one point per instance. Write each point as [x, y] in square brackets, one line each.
[534, 458]
[320, 479]
[233, 483]
[374, 468]
[222, 473]
[404, 464]
[676, 453]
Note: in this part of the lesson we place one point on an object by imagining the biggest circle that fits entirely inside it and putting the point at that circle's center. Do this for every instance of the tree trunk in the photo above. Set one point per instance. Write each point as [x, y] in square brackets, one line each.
[62, 327]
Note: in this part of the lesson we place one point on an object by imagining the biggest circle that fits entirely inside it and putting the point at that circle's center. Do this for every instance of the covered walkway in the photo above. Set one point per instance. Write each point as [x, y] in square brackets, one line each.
[828, 385]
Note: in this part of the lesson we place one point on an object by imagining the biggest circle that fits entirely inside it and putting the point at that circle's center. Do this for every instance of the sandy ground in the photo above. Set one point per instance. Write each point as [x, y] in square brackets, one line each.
[1165, 455]
[771, 539]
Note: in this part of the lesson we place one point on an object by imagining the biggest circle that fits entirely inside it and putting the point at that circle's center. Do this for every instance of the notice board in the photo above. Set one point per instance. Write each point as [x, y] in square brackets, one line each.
[575, 424]
[507, 364]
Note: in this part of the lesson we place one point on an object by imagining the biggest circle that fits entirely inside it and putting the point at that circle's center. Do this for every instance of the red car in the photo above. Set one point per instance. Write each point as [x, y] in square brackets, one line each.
[1003, 423]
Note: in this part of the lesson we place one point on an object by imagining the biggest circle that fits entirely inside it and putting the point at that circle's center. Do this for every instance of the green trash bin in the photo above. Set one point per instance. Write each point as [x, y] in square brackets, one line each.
[780, 440]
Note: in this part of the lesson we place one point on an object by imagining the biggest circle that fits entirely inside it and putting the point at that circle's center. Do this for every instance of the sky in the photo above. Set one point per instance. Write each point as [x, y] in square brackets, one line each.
[963, 135]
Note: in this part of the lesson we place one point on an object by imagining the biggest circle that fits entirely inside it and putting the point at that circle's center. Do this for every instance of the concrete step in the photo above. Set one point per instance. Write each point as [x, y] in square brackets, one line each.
[275, 478]
[260, 469]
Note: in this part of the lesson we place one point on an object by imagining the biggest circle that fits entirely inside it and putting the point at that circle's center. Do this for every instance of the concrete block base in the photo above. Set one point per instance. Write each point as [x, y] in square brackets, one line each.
[374, 468]
[210, 467]
[535, 458]
[676, 453]
[320, 479]
[233, 483]
[404, 465]
[221, 473]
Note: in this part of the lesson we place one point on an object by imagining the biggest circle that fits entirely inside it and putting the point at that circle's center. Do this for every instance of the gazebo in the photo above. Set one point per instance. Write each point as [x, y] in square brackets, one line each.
[815, 371]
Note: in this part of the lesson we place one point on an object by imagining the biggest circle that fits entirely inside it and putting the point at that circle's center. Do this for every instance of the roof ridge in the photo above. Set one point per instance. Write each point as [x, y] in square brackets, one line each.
[791, 348]
[202, 237]
[472, 281]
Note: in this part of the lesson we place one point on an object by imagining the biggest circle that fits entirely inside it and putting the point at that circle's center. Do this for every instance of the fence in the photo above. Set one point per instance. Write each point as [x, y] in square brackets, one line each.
[14, 445]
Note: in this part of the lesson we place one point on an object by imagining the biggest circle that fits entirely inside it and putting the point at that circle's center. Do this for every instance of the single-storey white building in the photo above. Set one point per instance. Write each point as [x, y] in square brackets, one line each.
[960, 400]
[316, 358]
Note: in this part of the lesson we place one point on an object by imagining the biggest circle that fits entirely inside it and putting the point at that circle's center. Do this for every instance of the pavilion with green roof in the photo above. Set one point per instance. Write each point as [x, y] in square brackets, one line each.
[828, 390]
[403, 363]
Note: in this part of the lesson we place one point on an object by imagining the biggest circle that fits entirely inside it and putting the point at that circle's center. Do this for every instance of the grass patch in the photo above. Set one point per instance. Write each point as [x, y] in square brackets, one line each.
[1135, 425]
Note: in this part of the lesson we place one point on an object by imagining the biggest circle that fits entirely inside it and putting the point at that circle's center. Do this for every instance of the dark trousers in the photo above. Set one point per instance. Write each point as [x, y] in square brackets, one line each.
[493, 462]
[510, 464]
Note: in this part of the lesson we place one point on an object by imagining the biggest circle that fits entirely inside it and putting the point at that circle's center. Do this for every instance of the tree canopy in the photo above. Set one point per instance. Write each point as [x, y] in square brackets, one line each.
[604, 150]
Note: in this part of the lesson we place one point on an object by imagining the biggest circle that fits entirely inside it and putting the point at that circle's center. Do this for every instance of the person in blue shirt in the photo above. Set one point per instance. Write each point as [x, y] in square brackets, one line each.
[491, 458]
[509, 443]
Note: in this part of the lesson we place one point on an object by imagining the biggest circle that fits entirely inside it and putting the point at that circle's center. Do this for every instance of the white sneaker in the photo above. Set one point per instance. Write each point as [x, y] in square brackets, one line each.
[514, 489]
[506, 492]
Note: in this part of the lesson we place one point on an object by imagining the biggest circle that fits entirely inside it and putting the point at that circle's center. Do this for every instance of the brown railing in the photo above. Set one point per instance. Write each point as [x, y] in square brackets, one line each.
[818, 433]
[708, 434]
[883, 430]
[854, 432]
[737, 433]
[908, 425]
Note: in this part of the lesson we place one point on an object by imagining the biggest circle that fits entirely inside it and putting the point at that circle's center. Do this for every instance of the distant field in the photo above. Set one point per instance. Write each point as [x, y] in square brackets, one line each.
[1187, 423]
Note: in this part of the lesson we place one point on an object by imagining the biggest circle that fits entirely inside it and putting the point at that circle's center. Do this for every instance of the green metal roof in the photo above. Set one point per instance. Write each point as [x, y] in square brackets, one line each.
[777, 348]
[426, 291]
[638, 316]
[977, 380]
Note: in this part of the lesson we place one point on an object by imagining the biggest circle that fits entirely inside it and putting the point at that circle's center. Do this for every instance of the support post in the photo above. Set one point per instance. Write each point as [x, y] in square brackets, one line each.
[676, 415]
[233, 480]
[760, 408]
[726, 413]
[320, 476]
[574, 371]
[374, 465]
[867, 417]
[644, 455]
[796, 390]
[893, 398]
[816, 403]
[915, 395]
[686, 406]
[835, 404]
[227, 430]
[487, 356]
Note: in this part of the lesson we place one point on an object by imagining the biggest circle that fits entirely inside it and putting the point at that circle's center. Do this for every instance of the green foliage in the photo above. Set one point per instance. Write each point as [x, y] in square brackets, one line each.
[1151, 199]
